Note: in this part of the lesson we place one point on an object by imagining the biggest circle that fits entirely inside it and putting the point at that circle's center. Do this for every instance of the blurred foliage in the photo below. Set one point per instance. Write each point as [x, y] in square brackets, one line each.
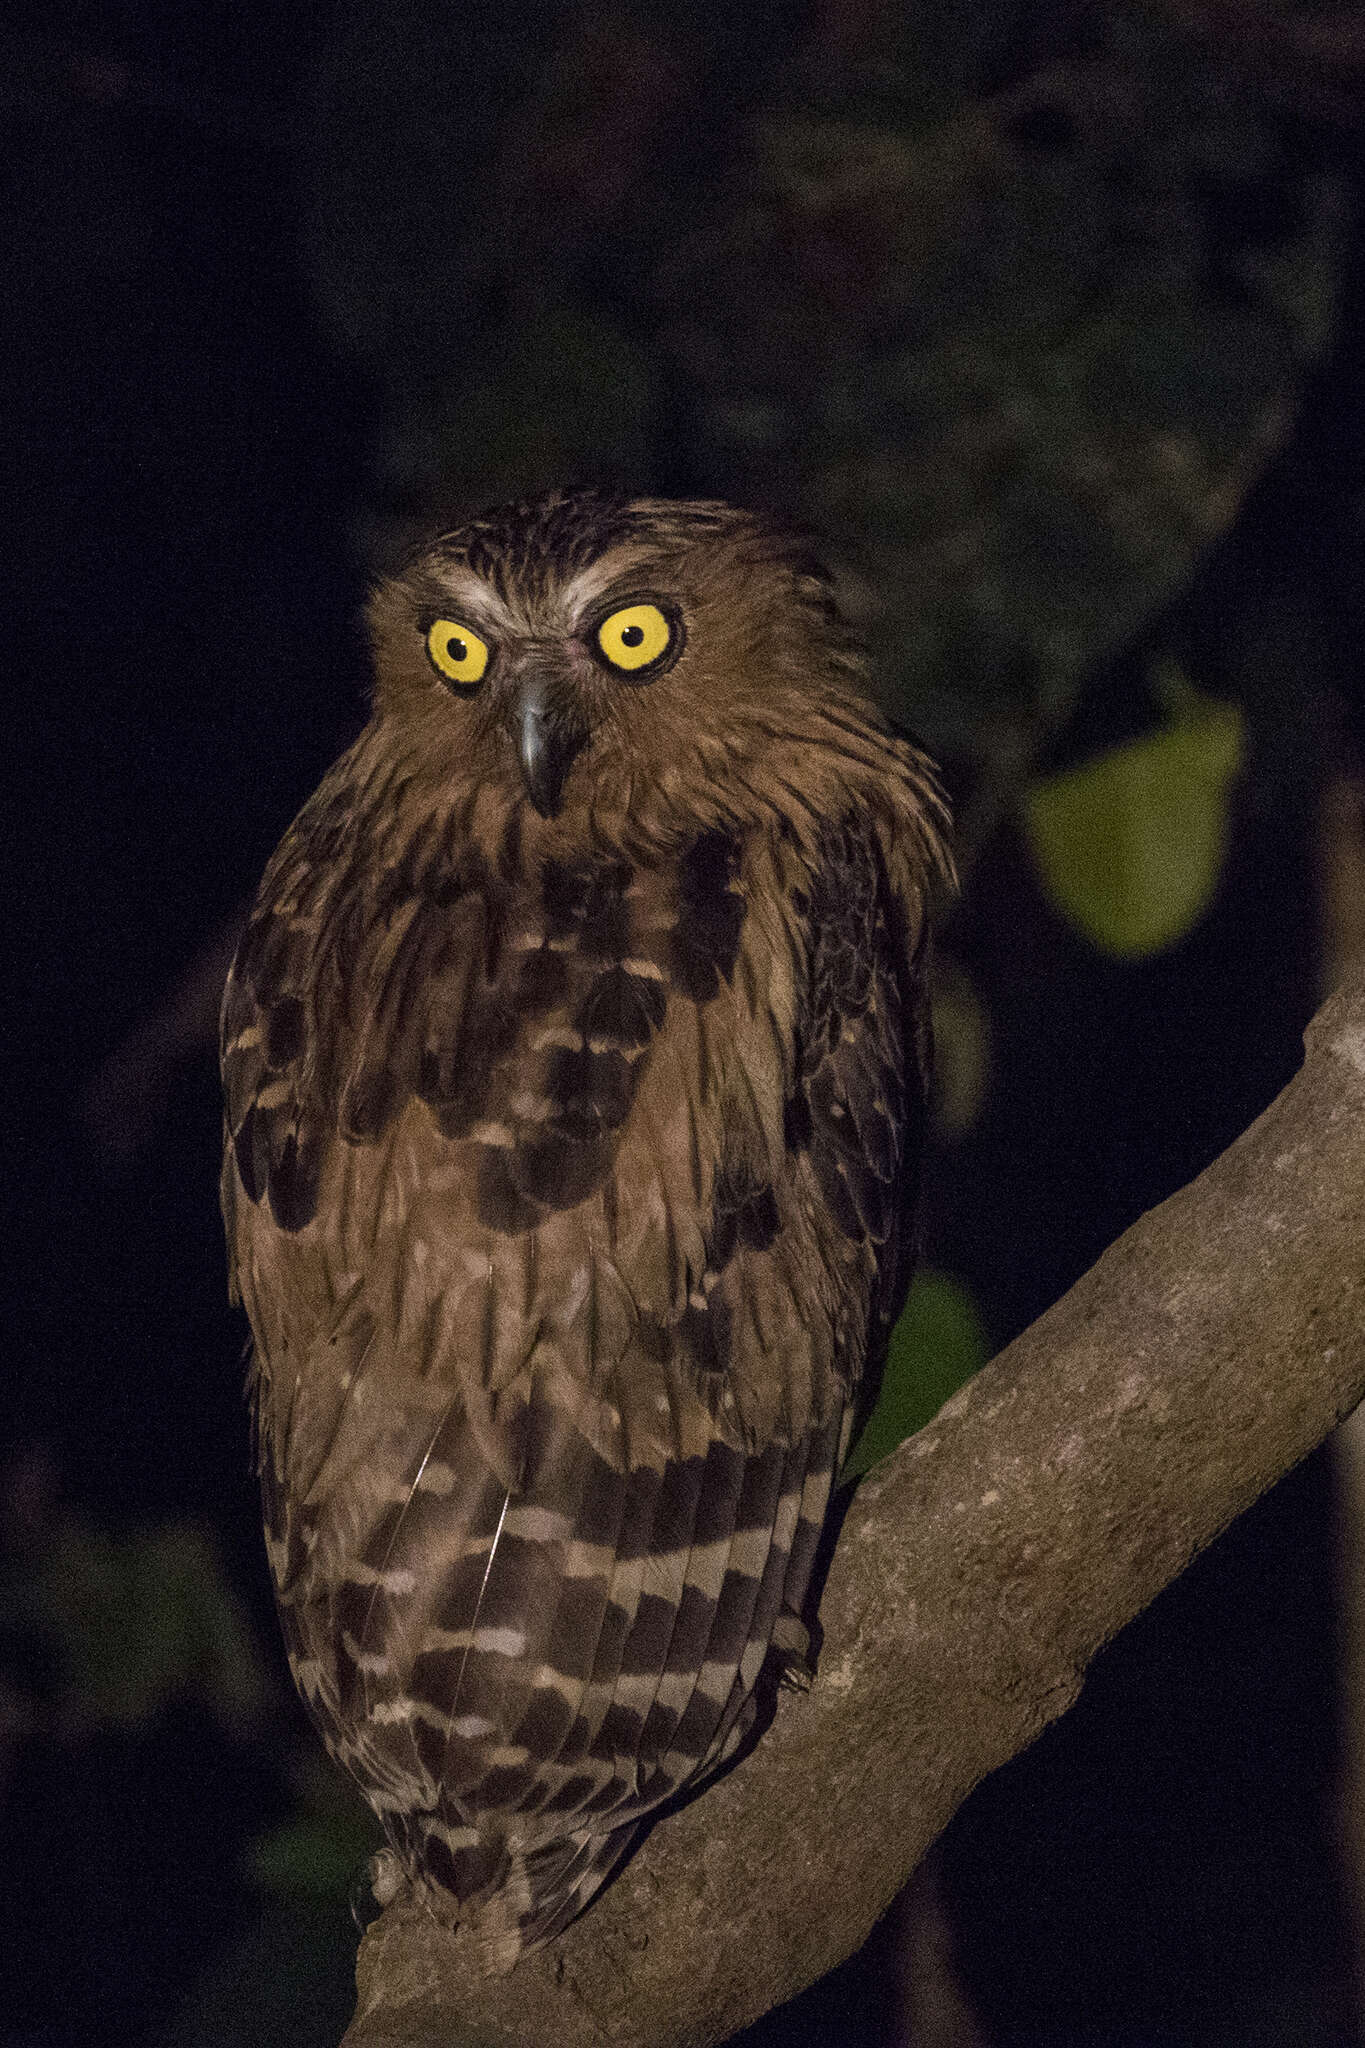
[106, 1630]
[962, 1048]
[1012, 321]
[1130, 844]
[103, 1629]
[322, 1849]
[995, 360]
[936, 1346]
[287, 1982]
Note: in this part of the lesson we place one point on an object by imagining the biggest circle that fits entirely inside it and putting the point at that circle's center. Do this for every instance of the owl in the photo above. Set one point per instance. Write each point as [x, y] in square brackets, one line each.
[575, 1057]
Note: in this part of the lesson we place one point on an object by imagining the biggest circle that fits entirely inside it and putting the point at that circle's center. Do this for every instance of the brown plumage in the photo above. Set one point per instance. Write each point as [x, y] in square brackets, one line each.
[575, 1059]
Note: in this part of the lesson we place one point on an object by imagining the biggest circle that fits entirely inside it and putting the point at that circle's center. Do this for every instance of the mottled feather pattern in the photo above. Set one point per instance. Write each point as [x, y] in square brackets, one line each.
[567, 1176]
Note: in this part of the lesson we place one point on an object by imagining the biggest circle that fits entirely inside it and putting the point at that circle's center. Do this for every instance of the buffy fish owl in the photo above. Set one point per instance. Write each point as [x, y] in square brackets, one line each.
[575, 1059]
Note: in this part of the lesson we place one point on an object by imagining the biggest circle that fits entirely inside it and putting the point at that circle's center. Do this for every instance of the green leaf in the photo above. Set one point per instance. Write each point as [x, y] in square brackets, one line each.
[935, 1348]
[1130, 845]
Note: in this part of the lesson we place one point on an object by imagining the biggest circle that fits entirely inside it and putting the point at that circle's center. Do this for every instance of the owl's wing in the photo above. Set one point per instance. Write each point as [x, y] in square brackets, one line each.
[533, 1522]
[865, 1061]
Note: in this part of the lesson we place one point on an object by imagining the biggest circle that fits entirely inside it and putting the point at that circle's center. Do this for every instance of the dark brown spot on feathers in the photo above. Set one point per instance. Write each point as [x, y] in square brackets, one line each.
[543, 979]
[758, 1220]
[638, 1534]
[696, 1729]
[562, 1165]
[719, 1497]
[611, 1636]
[465, 1872]
[705, 939]
[447, 883]
[572, 1793]
[705, 1334]
[832, 1174]
[432, 1745]
[619, 1734]
[588, 904]
[499, 1203]
[294, 1177]
[597, 1087]
[730, 1627]
[646, 1646]
[622, 1006]
[284, 1032]
[743, 1213]
[545, 1723]
[676, 1504]
[244, 1151]
[796, 1123]
[654, 1340]
[691, 1630]
[258, 956]
[368, 1104]
[572, 1641]
[596, 1487]
[506, 1787]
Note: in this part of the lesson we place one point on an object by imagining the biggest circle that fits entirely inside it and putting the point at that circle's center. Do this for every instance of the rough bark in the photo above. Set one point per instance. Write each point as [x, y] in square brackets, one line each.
[978, 1572]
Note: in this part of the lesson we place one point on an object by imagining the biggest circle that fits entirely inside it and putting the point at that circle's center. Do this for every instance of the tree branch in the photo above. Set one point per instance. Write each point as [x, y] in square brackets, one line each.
[978, 1572]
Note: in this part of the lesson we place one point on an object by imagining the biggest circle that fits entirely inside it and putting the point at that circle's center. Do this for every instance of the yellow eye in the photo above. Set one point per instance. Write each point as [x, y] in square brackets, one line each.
[637, 636]
[457, 654]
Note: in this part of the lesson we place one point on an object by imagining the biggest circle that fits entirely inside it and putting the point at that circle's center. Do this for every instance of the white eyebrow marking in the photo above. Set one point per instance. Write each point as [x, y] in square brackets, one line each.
[457, 592]
[618, 565]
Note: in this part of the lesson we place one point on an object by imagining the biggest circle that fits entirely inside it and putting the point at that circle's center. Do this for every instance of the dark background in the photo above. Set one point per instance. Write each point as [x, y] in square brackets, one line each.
[285, 285]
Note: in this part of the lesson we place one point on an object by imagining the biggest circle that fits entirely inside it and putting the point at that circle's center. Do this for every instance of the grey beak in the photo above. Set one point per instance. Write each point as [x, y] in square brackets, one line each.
[546, 744]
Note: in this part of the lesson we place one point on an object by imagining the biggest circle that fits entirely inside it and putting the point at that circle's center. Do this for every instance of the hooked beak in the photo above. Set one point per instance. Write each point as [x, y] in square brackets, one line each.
[546, 745]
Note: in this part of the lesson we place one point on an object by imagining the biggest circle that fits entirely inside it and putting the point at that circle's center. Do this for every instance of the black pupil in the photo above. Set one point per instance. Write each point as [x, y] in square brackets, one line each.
[631, 636]
[456, 648]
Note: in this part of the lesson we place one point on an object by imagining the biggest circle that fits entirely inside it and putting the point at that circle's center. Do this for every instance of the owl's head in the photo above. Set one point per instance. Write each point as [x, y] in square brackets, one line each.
[576, 648]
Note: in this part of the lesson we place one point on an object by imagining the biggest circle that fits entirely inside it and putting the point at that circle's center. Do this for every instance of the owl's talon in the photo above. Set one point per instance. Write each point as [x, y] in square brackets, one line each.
[790, 1650]
[375, 1886]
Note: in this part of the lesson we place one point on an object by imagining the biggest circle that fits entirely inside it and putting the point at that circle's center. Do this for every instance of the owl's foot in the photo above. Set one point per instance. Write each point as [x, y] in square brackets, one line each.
[376, 1885]
[790, 1650]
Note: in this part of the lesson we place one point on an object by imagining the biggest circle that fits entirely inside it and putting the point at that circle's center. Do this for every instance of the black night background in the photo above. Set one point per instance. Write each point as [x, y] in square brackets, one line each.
[1051, 320]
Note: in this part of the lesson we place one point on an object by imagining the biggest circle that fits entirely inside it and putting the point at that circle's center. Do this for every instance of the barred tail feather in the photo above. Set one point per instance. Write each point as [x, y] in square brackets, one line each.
[544, 1889]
